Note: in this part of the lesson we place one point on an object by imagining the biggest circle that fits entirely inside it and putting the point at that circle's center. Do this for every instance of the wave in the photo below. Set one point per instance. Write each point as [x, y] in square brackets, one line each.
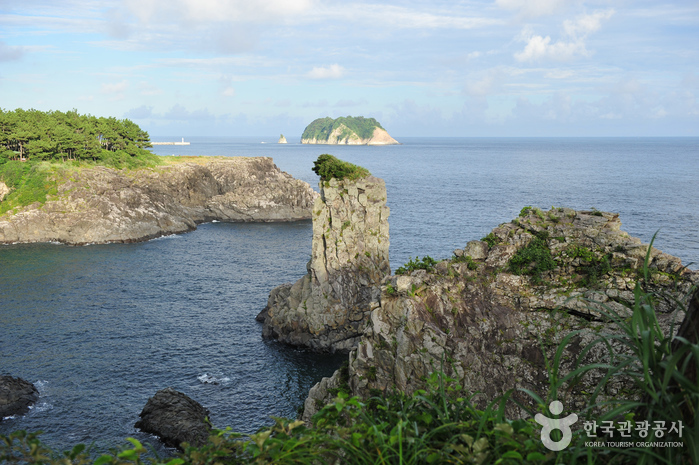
[211, 379]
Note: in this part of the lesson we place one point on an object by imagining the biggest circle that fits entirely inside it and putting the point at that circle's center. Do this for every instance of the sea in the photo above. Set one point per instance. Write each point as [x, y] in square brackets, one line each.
[101, 328]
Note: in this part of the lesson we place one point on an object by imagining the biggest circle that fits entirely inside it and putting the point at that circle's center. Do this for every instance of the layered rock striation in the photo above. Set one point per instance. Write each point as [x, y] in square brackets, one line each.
[328, 308]
[493, 316]
[100, 205]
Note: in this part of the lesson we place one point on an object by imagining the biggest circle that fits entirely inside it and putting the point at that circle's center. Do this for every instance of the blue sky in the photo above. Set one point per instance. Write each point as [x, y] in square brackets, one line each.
[422, 68]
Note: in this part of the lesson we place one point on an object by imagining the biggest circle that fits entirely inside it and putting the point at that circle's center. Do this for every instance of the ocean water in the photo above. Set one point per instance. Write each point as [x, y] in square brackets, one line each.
[101, 328]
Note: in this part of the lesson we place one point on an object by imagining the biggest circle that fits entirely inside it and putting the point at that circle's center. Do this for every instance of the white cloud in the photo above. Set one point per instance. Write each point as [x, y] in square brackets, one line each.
[586, 24]
[10, 53]
[116, 90]
[329, 72]
[488, 84]
[147, 88]
[228, 92]
[533, 8]
[214, 10]
[539, 47]
[142, 112]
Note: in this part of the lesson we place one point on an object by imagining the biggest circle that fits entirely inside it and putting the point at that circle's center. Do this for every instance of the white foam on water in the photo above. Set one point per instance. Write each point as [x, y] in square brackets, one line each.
[210, 379]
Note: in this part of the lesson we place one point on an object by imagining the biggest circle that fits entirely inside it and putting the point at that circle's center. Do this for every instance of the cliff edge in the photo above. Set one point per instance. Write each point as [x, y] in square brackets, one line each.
[101, 205]
[494, 314]
[346, 131]
[328, 308]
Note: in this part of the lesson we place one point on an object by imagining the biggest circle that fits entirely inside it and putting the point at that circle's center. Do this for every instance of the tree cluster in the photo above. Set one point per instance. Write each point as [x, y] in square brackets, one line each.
[54, 135]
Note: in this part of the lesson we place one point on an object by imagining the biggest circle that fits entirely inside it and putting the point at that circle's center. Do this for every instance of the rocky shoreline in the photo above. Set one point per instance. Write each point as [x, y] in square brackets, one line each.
[103, 205]
[492, 324]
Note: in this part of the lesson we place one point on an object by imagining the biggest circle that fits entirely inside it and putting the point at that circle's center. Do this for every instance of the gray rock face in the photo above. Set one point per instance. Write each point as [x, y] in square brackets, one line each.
[328, 308]
[16, 396]
[175, 418]
[100, 205]
[489, 325]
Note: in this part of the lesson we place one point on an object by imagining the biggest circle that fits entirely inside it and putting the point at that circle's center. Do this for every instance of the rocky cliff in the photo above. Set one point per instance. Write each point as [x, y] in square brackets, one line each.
[328, 308]
[346, 131]
[494, 314]
[100, 205]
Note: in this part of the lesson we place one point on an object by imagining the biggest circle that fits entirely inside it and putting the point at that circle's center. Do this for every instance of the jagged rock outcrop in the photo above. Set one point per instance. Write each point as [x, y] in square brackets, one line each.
[16, 396]
[282, 139]
[175, 418]
[347, 130]
[99, 205]
[328, 308]
[494, 312]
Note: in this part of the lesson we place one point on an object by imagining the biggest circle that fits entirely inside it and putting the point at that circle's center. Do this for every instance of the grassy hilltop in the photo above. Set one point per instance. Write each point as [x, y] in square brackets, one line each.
[321, 128]
[38, 148]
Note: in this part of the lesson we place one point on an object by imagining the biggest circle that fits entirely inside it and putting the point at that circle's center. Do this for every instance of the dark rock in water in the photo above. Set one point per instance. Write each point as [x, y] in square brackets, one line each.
[175, 418]
[16, 396]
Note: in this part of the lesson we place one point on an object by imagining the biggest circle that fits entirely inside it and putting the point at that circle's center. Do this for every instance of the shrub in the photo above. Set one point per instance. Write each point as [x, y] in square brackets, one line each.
[532, 260]
[491, 239]
[329, 167]
[471, 264]
[426, 263]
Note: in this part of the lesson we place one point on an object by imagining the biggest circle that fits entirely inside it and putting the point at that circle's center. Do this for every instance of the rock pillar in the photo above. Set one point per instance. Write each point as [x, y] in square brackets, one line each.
[327, 309]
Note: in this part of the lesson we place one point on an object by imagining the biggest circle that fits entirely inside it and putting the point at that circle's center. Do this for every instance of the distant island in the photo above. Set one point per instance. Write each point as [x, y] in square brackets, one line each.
[347, 130]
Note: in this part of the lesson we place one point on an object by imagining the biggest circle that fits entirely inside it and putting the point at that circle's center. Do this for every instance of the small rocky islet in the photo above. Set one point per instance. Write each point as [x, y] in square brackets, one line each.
[346, 130]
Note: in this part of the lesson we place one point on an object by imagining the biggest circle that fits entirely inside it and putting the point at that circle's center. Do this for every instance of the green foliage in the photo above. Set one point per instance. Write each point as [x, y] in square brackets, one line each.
[426, 263]
[593, 266]
[471, 264]
[30, 182]
[532, 260]
[390, 290]
[491, 239]
[57, 136]
[321, 128]
[662, 368]
[329, 167]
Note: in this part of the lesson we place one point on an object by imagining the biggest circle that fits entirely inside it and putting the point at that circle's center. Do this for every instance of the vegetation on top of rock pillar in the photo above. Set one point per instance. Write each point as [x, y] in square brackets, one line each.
[329, 167]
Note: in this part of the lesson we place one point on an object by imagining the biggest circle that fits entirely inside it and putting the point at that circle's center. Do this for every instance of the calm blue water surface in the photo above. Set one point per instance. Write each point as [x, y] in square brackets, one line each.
[101, 328]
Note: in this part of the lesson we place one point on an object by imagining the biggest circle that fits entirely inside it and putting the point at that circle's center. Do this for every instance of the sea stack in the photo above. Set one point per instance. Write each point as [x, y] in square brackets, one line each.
[282, 139]
[328, 308]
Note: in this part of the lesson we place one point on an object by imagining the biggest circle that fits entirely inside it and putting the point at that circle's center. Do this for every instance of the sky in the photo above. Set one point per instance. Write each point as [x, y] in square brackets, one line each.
[498, 68]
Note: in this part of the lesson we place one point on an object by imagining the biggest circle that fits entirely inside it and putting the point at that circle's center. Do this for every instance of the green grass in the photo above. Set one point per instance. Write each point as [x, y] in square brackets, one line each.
[35, 181]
